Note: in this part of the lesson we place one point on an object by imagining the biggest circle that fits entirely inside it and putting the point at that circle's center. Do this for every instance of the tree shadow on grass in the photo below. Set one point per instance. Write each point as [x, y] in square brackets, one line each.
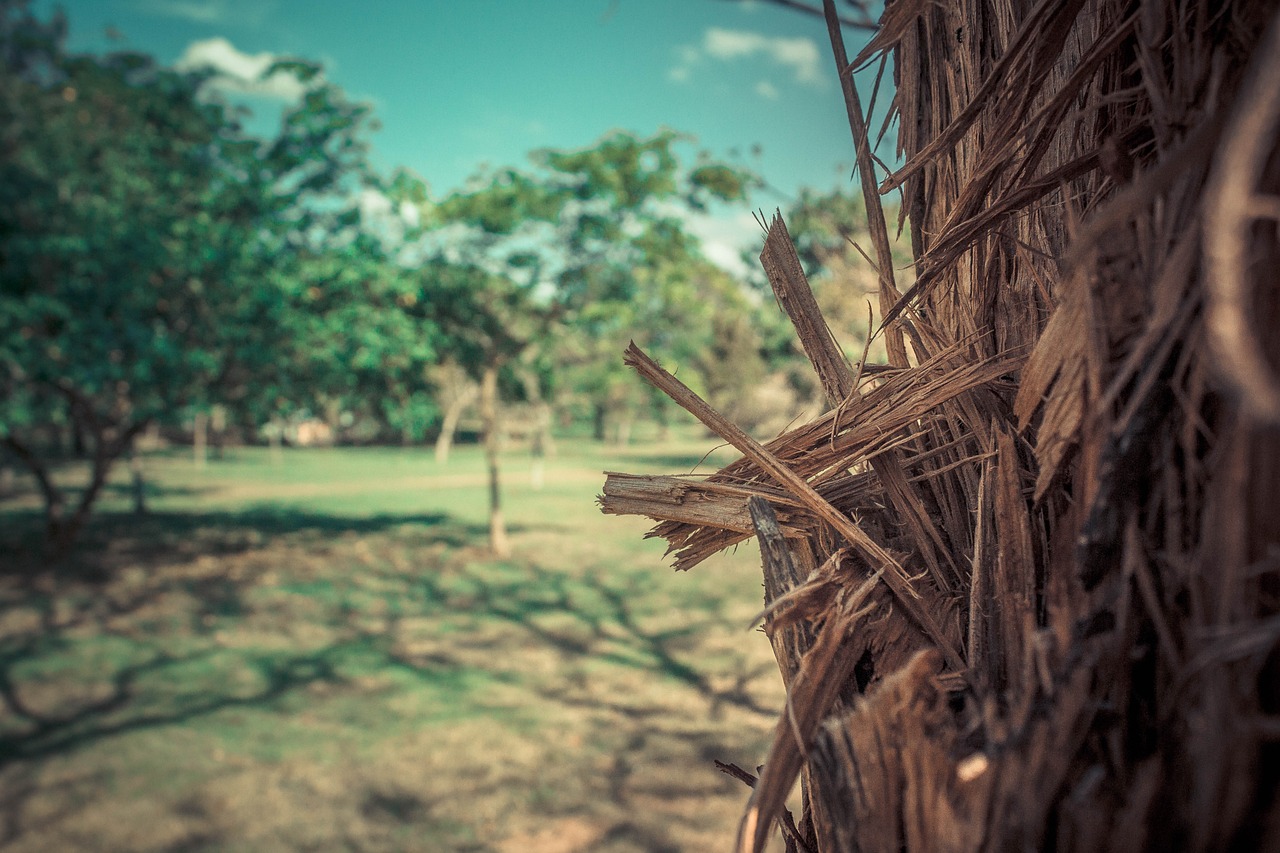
[191, 576]
[117, 539]
[49, 734]
[26, 804]
[196, 615]
[608, 632]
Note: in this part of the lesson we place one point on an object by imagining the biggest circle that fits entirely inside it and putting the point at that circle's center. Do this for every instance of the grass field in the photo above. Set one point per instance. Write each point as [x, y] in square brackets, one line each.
[319, 655]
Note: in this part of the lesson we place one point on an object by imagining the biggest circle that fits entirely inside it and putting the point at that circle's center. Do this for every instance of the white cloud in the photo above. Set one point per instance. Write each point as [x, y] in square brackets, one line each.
[208, 11]
[690, 55]
[238, 72]
[687, 56]
[800, 55]
[200, 11]
[765, 89]
[724, 239]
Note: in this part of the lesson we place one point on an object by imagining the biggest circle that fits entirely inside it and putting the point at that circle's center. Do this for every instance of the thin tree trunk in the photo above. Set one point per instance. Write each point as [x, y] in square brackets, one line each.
[489, 415]
[541, 445]
[406, 423]
[139, 483]
[6, 480]
[200, 439]
[218, 429]
[275, 431]
[452, 414]
[600, 412]
[54, 500]
[624, 431]
[78, 449]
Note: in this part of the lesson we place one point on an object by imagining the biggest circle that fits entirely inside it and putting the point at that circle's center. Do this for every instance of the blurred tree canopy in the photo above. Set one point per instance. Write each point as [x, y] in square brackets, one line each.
[150, 250]
[158, 260]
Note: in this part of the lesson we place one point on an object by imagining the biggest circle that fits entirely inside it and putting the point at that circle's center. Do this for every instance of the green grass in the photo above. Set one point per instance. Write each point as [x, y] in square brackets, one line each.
[320, 654]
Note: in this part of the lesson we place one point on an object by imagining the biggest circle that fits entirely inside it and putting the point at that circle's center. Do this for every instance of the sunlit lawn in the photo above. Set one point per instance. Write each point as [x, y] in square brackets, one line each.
[317, 653]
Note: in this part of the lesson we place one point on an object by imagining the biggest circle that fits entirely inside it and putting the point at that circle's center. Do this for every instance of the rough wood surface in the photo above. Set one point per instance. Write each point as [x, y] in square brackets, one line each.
[790, 285]
[1024, 583]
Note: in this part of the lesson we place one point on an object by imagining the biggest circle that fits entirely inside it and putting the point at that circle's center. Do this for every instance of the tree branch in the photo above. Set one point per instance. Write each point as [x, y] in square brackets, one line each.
[50, 491]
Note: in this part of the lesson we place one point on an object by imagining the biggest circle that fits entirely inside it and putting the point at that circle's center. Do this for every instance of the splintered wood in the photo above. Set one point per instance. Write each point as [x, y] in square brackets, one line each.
[1023, 582]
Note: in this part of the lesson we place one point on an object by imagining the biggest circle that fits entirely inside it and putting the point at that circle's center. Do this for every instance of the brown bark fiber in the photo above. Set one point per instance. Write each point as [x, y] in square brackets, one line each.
[1023, 585]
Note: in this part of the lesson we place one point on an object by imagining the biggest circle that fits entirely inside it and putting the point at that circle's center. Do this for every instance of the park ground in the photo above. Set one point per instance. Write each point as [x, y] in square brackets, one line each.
[315, 652]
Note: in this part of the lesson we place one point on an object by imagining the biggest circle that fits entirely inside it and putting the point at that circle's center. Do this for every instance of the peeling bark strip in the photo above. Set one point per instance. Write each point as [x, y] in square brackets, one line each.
[890, 298]
[1238, 199]
[791, 641]
[791, 286]
[895, 576]
[691, 502]
[891, 415]
[823, 673]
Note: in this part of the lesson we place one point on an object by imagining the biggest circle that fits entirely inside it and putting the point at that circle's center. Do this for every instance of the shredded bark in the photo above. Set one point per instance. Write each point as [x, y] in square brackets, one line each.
[1023, 582]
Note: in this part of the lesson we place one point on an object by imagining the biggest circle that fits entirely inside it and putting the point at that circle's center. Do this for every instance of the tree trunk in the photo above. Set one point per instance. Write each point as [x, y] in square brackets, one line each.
[139, 483]
[200, 439]
[623, 436]
[105, 453]
[452, 414]
[275, 432]
[541, 444]
[6, 480]
[79, 449]
[218, 429]
[54, 500]
[406, 423]
[61, 530]
[489, 416]
[600, 413]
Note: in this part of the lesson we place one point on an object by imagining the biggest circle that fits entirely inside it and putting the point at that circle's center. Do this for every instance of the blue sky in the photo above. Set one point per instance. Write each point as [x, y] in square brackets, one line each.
[459, 84]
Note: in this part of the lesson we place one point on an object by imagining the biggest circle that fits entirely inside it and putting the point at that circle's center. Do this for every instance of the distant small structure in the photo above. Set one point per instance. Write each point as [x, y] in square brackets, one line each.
[309, 433]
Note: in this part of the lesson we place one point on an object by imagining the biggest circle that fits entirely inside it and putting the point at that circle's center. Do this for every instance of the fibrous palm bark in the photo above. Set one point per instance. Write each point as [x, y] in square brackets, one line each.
[1024, 584]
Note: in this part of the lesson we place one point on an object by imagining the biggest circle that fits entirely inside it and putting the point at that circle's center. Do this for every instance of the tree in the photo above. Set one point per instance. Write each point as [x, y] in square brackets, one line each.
[142, 236]
[525, 269]
[487, 321]
[629, 268]
[356, 340]
[456, 390]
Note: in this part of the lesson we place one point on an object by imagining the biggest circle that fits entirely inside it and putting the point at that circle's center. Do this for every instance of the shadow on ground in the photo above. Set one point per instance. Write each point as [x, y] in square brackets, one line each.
[114, 540]
[283, 637]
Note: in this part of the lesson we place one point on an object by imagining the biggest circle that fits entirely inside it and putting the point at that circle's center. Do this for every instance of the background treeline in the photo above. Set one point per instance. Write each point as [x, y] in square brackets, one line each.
[161, 264]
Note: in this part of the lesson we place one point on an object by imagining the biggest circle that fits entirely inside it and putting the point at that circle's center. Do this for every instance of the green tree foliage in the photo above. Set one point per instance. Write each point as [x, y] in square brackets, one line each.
[156, 261]
[356, 340]
[630, 269]
[542, 275]
[146, 244]
[480, 287]
[582, 252]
